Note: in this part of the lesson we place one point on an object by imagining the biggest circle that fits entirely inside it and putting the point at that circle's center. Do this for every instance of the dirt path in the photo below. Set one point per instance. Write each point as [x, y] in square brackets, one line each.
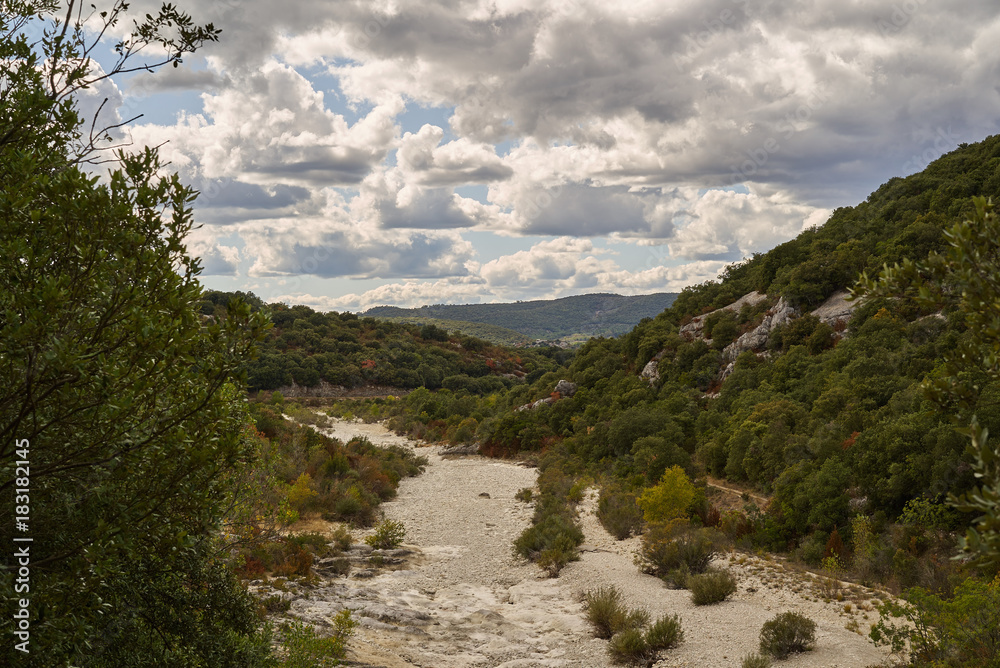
[464, 601]
[761, 501]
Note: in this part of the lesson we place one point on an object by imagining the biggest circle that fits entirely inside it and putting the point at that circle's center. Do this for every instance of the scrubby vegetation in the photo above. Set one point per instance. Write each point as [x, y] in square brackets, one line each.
[303, 473]
[618, 512]
[712, 586]
[555, 534]
[388, 535]
[634, 641]
[305, 347]
[642, 647]
[952, 632]
[304, 647]
[756, 661]
[787, 633]
[608, 615]
[674, 551]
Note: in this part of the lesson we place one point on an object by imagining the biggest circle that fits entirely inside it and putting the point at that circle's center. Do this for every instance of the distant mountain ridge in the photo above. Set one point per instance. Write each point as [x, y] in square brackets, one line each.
[599, 314]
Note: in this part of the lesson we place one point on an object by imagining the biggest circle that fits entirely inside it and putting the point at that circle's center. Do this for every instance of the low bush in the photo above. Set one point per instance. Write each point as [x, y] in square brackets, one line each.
[274, 604]
[756, 661]
[954, 632]
[713, 586]
[524, 494]
[555, 558]
[630, 648]
[553, 538]
[634, 646]
[786, 633]
[339, 566]
[665, 633]
[304, 648]
[342, 539]
[388, 535]
[618, 513]
[673, 551]
[316, 543]
[608, 615]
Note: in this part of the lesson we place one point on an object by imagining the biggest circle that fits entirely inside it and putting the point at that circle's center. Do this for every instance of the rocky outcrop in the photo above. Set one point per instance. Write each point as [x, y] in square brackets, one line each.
[756, 338]
[536, 404]
[565, 388]
[694, 329]
[469, 449]
[836, 310]
[651, 372]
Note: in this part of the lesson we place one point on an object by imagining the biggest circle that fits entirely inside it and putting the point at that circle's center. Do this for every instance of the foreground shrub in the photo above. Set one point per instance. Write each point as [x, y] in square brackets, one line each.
[608, 615]
[388, 535]
[787, 633]
[711, 587]
[304, 648]
[666, 632]
[553, 538]
[673, 551]
[960, 631]
[274, 604]
[342, 539]
[634, 646]
[629, 647]
[756, 661]
[618, 513]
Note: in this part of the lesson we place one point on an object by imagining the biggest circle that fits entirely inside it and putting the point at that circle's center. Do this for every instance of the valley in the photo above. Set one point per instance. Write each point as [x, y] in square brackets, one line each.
[461, 599]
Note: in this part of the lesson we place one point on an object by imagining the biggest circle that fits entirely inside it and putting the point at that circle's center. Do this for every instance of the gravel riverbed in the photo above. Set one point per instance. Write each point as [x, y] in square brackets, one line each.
[463, 600]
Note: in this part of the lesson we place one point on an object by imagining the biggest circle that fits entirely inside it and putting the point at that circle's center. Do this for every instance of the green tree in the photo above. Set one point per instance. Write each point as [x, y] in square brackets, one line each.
[114, 387]
[966, 277]
[670, 498]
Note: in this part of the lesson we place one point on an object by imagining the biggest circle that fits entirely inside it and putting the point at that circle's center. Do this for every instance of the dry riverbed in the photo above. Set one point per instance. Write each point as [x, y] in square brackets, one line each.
[461, 599]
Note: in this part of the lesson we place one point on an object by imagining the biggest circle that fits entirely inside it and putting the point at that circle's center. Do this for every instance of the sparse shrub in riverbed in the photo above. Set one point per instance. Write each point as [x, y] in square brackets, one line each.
[304, 648]
[342, 539]
[786, 633]
[713, 586]
[553, 538]
[665, 632]
[632, 641]
[608, 615]
[619, 513]
[274, 604]
[554, 535]
[756, 661]
[637, 647]
[629, 647]
[388, 535]
[673, 551]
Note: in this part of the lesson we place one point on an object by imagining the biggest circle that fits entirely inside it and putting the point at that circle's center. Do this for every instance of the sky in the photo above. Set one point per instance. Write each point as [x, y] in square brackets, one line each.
[353, 154]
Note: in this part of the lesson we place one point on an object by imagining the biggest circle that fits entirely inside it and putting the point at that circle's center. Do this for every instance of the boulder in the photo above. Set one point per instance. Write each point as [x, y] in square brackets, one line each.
[566, 388]
[469, 449]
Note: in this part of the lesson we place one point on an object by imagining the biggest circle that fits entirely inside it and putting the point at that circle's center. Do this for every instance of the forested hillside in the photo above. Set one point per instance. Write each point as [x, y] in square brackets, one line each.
[495, 334]
[306, 347]
[830, 421]
[593, 315]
